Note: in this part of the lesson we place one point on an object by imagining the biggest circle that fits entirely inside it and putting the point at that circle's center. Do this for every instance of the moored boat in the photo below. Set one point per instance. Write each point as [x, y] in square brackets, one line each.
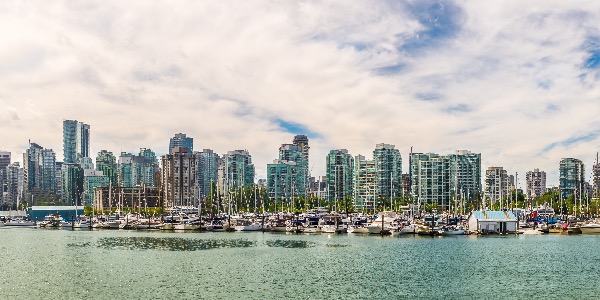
[590, 228]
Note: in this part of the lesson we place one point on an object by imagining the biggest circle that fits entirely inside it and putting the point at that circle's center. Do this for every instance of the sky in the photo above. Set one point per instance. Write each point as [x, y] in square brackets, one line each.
[517, 81]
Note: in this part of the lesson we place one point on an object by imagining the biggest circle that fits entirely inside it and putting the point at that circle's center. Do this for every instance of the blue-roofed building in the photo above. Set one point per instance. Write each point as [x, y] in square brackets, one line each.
[490, 221]
[38, 213]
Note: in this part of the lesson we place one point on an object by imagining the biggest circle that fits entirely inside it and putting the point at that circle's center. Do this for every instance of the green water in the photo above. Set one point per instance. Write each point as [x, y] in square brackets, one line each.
[65, 264]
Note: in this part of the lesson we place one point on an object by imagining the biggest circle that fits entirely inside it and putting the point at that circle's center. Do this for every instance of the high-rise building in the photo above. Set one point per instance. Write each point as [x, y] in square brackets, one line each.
[72, 184]
[179, 178]
[280, 179]
[181, 140]
[302, 142]
[444, 180]
[4, 163]
[339, 172]
[134, 170]
[536, 183]
[208, 172]
[237, 170]
[596, 180]
[93, 179]
[388, 164]
[299, 180]
[76, 141]
[14, 184]
[465, 174]
[59, 179]
[39, 173]
[496, 185]
[430, 179]
[106, 162]
[572, 177]
[365, 183]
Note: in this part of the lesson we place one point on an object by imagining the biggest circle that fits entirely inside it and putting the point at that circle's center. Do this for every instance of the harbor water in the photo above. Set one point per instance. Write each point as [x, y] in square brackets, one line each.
[105, 264]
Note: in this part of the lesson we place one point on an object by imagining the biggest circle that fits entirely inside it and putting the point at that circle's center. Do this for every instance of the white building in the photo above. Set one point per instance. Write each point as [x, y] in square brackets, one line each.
[490, 221]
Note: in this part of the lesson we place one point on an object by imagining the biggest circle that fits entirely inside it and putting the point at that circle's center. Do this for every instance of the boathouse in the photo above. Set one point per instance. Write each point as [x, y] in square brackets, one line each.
[37, 213]
[491, 221]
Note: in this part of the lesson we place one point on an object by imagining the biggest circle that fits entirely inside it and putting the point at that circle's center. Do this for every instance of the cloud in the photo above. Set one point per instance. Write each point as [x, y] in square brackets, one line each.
[515, 81]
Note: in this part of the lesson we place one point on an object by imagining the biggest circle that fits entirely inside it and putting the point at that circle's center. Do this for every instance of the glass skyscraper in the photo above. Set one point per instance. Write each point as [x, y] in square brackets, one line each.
[76, 141]
[208, 172]
[39, 172]
[572, 177]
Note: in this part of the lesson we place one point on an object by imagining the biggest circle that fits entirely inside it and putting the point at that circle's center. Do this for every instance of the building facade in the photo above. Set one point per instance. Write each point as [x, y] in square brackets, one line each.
[179, 178]
[39, 173]
[300, 178]
[445, 181]
[572, 177]
[497, 185]
[181, 140]
[208, 172]
[237, 170]
[388, 163]
[141, 169]
[536, 183]
[430, 179]
[106, 162]
[72, 184]
[76, 141]
[14, 185]
[365, 183]
[110, 198]
[339, 172]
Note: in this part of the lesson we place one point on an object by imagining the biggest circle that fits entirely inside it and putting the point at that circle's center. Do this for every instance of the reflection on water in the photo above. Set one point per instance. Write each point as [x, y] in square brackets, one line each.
[290, 244]
[170, 243]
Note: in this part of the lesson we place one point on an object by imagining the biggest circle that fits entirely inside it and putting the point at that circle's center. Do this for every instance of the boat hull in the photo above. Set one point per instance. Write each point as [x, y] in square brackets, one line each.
[590, 230]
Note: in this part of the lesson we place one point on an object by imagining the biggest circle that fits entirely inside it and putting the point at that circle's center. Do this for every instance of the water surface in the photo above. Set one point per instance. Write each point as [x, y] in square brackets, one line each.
[39, 263]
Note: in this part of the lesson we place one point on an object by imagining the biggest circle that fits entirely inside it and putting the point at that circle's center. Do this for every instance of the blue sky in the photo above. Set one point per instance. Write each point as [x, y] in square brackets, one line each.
[516, 81]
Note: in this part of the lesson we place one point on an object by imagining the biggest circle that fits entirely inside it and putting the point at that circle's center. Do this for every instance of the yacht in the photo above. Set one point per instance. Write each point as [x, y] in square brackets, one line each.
[332, 224]
[51, 220]
[82, 224]
[359, 226]
[384, 223]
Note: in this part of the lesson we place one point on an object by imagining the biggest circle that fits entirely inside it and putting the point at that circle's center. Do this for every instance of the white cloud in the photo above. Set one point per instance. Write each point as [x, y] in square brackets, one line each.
[504, 79]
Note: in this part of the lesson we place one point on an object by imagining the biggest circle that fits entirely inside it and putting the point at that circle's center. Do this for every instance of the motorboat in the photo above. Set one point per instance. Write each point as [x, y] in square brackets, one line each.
[248, 225]
[332, 224]
[590, 228]
[51, 220]
[454, 230]
[186, 226]
[408, 229]
[82, 224]
[20, 222]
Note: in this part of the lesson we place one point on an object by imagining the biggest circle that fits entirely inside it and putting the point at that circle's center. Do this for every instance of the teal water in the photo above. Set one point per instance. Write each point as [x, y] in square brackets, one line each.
[65, 264]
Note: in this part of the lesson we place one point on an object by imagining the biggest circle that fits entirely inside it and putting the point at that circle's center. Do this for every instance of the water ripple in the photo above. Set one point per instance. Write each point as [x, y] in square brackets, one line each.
[170, 244]
[290, 244]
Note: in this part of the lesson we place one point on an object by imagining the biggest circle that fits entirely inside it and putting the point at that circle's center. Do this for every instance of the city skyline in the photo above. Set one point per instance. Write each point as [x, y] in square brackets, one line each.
[516, 82]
